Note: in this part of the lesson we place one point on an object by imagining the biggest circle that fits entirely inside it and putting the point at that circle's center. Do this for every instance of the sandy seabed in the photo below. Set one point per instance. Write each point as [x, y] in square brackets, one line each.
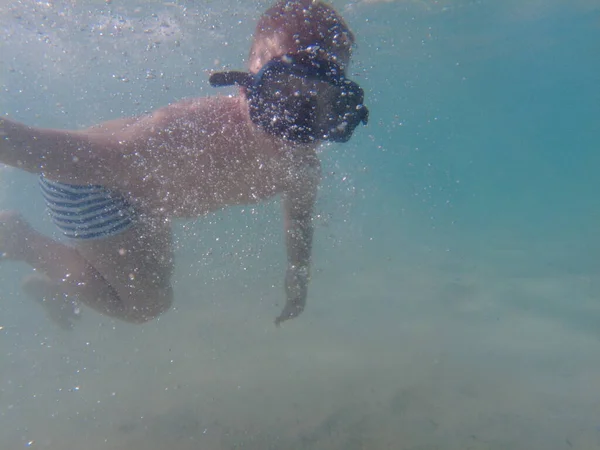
[407, 349]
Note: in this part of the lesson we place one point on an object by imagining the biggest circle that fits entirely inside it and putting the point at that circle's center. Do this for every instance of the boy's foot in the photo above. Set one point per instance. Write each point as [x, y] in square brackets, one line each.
[60, 307]
[15, 233]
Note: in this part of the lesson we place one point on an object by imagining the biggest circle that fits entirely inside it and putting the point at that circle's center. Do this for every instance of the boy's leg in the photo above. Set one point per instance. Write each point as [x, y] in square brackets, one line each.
[126, 276]
[138, 265]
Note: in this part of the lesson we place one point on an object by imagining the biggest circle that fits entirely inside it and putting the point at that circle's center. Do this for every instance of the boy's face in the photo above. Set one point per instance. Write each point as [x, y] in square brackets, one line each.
[307, 98]
[302, 97]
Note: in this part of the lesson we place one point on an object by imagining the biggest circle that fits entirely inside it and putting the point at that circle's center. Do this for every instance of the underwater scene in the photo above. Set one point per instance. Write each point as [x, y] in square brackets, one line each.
[454, 295]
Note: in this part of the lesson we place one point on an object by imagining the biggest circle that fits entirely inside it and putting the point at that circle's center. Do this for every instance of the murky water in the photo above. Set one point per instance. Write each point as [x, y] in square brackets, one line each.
[455, 302]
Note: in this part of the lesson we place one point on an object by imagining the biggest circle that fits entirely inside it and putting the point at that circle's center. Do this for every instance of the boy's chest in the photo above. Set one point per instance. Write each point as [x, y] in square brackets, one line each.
[213, 181]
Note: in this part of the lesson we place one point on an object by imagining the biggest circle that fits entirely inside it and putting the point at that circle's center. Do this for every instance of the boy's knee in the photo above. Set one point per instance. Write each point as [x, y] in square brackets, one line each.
[148, 311]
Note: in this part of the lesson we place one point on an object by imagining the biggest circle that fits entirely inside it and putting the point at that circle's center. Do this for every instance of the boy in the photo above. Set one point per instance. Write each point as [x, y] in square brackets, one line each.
[113, 188]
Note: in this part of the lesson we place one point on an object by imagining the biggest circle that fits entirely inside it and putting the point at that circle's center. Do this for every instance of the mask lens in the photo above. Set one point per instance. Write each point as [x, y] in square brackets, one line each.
[291, 103]
[304, 103]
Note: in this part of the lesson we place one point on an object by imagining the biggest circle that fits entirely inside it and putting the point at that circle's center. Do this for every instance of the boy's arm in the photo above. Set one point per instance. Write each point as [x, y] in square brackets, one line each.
[71, 156]
[298, 203]
[108, 153]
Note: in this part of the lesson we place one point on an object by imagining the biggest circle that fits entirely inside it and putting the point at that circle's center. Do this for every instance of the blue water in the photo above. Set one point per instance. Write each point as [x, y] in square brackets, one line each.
[455, 302]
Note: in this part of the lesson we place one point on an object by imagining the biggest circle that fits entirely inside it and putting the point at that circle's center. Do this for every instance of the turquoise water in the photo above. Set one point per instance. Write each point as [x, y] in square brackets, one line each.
[456, 296]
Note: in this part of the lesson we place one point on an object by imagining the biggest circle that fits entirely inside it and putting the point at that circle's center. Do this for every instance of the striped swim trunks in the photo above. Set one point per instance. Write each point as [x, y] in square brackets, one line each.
[86, 211]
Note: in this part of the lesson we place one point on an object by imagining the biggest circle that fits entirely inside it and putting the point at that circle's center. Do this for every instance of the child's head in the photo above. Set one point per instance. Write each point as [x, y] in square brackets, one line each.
[295, 25]
[297, 88]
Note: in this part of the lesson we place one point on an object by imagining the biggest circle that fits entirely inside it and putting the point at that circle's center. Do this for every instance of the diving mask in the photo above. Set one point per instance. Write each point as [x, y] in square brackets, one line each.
[301, 98]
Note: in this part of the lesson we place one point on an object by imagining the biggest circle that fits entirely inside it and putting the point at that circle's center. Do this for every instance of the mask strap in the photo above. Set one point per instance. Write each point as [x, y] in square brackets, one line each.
[221, 79]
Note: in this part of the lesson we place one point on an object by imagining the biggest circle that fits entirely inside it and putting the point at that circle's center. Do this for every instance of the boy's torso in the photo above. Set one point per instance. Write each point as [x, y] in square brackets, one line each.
[202, 155]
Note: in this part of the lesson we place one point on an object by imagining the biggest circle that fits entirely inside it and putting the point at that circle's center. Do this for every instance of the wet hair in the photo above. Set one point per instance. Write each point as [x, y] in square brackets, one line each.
[292, 26]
